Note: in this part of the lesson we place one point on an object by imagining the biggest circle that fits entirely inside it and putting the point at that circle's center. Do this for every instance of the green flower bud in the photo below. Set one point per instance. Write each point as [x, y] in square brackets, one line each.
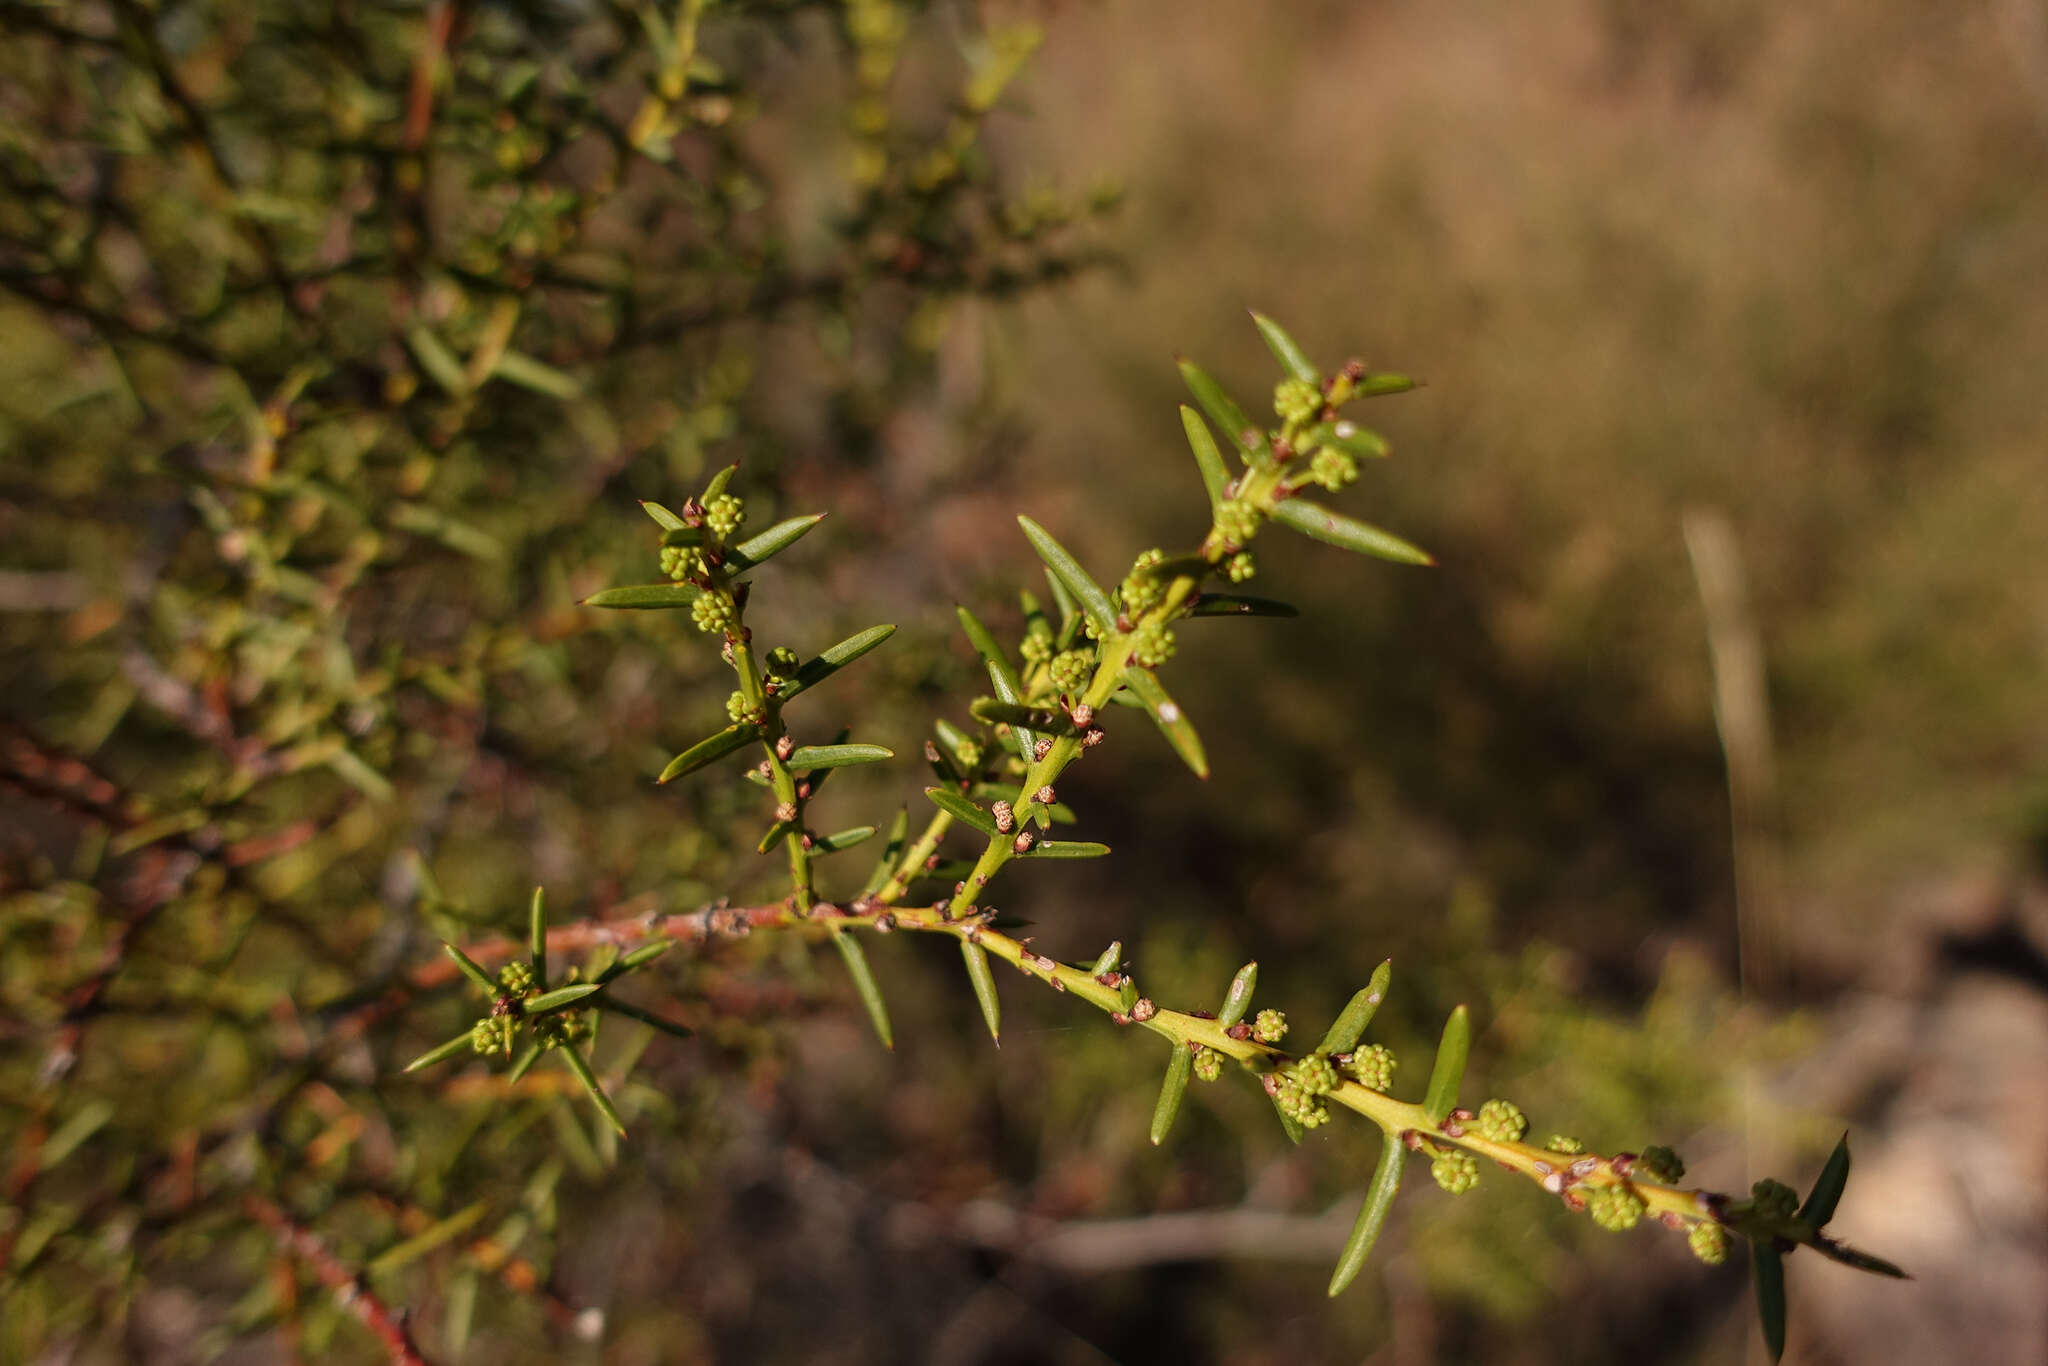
[492, 1034]
[1239, 567]
[1036, 649]
[515, 978]
[1269, 1026]
[1152, 644]
[1615, 1208]
[969, 753]
[724, 514]
[1317, 1074]
[1563, 1143]
[714, 612]
[1141, 591]
[1373, 1066]
[1238, 522]
[1208, 1064]
[680, 563]
[1332, 468]
[1296, 1102]
[1455, 1172]
[1774, 1199]
[1501, 1121]
[1709, 1242]
[783, 660]
[1071, 670]
[1662, 1163]
[1296, 401]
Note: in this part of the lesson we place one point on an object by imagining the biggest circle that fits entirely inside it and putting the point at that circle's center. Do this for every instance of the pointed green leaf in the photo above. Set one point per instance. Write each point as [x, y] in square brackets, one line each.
[864, 982]
[441, 1052]
[1004, 713]
[1449, 1071]
[844, 839]
[66, 1138]
[1065, 849]
[472, 971]
[1067, 571]
[1001, 675]
[758, 550]
[1238, 429]
[1862, 1261]
[1349, 1026]
[777, 833]
[718, 482]
[962, 809]
[1290, 355]
[1109, 960]
[537, 936]
[437, 360]
[1289, 1125]
[1180, 1063]
[1372, 386]
[646, 1017]
[516, 367]
[1070, 612]
[805, 757]
[1372, 1214]
[523, 1065]
[646, 953]
[1349, 437]
[1334, 528]
[1172, 721]
[1770, 1296]
[425, 1241]
[1208, 459]
[663, 518]
[557, 999]
[1827, 1188]
[816, 670]
[580, 1065]
[1238, 605]
[892, 850]
[1239, 998]
[642, 597]
[685, 536]
[709, 750]
[976, 959]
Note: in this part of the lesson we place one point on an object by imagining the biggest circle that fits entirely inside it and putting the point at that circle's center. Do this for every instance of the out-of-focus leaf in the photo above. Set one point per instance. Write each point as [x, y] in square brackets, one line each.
[892, 850]
[1334, 528]
[1285, 350]
[864, 982]
[1246, 438]
[1238, 605]
[1051, 720]
[1827, 1188]
[1770, 1296]
[1208, 459]
[425, 1241]
[1372, 1214]
[1179, 1065]
[642, 597]
[516, 367]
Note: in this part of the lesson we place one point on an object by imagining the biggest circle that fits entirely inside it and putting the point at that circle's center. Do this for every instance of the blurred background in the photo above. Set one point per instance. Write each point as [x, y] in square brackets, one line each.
[1709, 765]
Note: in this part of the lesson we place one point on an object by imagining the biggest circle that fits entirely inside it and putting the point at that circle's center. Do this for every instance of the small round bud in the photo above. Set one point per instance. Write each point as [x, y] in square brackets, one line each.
[724, 514]
[1083, 714]
[1332, 468]
[1238, 522]
[1045, 795]
[1662, 1164]
[1208, 1064]
[1297, 401]
[1022, 844]
[1709, 1242]
[492, 1035]
[1152, 644]
[1269, 1026]
[1036, 649]
[1317, 1074]
[714, 612]
[1615, 1208]
[1455, 1172]
[1564, 1143]
[1774, 1199]
[1091, 739]
[1373, 1066]
[1240, 567]
[1071, 670]
[1501, 1121]
[1006, 818]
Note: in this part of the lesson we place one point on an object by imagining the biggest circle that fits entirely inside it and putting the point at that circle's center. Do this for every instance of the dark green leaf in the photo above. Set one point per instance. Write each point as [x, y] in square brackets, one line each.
[805, 757]
[718, 483]
[1289, 1125]
[646, 953]
[524, 1065]
[892, 850]
[1372, 386]
[537, 936]
[864, 982]
[1208, 459]
[1179, 1064]
[1349, 1026]
[1827, 1188]
[709, 750]
[1449, 1071]
[1334, 528]
[821, 667]
[441, 1052]
[1066, 849]
[758, 550]
[1237, 605]
[1291, 357]
[646, 1017]
[844, 839]
[963, 810]
[1003, 713]
[1070, 612]
[1862, 1261]
[978, 973]
[1172, 721]
[472, 971]
[557, 999]
[777, 833]
[1372, 1215]
[1001, 676]
[578, 1064]
[1224, 412]
[684, 536]
[1067, 572]
[1109, 960]
[1770, 1296]
[1239, 998]
[644, 597]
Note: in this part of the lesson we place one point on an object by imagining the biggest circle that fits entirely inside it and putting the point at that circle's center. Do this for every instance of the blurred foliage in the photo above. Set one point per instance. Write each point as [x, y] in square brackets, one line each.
[336, 347]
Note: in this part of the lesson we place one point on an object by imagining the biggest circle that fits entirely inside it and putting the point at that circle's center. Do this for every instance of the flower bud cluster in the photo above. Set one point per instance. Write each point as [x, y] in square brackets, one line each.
[1152, 644]
[1036, 649]
[1297, 401]
[1774, 1199]
[739, 709]
[1317, 1075]
[1332, 468]
[1566, 1144]
[714, 612]
[1208, 1063]
[492, 1034]
[1300, 1104]
[1142, 590]
[1071, 670]
[682, 563]
[1709, 1242]
[1239, 567]
[1615, 1208]
[562, 1029]
[515, 978]
[1238, 522]
[1373, 1067]
[1501, 1122]
[1661, 1164]
[724, 515]
[1269, 1026]
[1456, 1172]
